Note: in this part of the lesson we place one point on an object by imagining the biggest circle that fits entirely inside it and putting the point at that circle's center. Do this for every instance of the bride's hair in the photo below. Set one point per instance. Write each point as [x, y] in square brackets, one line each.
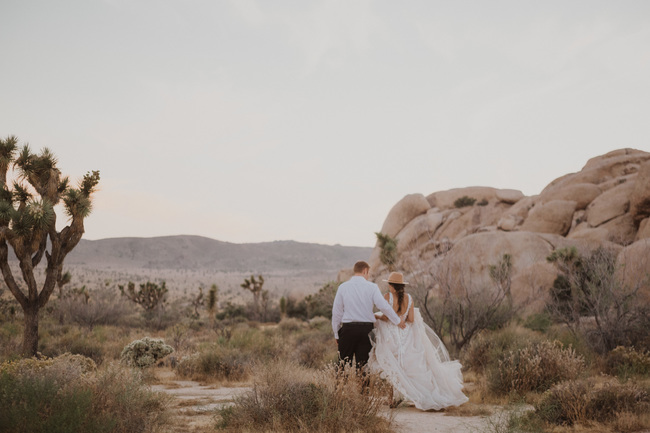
[399, 289]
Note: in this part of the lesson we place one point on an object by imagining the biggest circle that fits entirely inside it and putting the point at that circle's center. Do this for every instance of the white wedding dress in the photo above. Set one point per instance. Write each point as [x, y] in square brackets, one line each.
[416, 363]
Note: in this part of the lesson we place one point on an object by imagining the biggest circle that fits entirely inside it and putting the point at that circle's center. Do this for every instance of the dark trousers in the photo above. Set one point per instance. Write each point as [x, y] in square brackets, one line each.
[354, 341]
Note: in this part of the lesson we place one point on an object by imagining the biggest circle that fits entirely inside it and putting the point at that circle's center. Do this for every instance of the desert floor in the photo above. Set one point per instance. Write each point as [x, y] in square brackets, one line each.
[193, 405]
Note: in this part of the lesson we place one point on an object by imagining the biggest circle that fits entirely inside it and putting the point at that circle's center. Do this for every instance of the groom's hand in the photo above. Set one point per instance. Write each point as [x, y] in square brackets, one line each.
[402, 324]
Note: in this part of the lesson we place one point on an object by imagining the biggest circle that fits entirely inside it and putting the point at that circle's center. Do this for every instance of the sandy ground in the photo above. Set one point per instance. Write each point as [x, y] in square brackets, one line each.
[194, 406]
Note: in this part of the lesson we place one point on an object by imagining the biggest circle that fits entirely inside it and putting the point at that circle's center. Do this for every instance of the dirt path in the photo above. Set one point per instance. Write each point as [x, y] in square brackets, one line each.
[194, 405]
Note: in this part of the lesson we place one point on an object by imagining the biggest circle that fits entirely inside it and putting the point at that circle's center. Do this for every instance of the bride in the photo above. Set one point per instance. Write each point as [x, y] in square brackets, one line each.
[414, 360]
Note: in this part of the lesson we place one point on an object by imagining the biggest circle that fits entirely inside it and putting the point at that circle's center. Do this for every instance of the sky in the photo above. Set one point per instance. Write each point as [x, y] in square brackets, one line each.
[254, 121]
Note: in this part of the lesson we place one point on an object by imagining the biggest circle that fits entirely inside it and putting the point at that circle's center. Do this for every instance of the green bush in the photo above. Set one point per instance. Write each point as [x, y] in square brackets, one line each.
[627, 361]
[388, 247]
[66, 394]
[145, 352]
[464, 201]
[583, 401]
[540, 322]
[489, 347]
[534, 368]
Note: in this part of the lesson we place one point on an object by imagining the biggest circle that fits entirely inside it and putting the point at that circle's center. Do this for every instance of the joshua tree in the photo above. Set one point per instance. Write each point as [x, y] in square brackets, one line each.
[149, 297]
[255, 287]
[28, 225]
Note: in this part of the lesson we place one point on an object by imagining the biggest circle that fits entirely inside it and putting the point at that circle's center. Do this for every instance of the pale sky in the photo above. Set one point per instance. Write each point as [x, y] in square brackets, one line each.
[254, 121]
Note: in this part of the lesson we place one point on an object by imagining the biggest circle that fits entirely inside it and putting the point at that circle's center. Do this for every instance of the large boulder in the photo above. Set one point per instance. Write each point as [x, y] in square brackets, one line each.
[473, 255]
[634, 267]
[620, 230]
[403, 212]
[421, 229]
[472, 220]
[446, 199]
[509, 222]
[552, 217]
[610, 204]
[640, 195]
[581, 193]
[509, 196]
[584, 231]
[644, 230]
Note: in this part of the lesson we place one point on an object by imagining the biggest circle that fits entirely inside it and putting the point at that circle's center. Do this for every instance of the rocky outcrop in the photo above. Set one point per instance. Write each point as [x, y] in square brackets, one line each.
[553, 217]
[607, 203]
[640, 196]
[509, 196]
[447, 199]
[403, 212]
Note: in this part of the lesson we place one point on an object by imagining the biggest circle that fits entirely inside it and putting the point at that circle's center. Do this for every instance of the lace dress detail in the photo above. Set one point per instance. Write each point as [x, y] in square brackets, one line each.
[415, 361]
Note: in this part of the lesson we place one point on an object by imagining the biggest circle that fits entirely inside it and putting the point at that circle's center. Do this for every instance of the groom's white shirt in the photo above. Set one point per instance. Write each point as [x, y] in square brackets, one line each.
[354, 302]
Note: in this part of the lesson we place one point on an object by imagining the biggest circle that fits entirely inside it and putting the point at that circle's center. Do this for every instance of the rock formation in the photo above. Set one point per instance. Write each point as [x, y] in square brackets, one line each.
[606, 204]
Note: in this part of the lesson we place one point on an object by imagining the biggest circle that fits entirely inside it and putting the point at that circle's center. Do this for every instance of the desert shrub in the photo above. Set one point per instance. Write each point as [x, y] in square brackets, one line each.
[321, 302]
[99, 307]
[290, 324]
[320, 323]
[297, 308]
[261, 344]
[540, 322]
[535, 367]
[590, 285]
[582, 401]
[217, 363]
[627, 361]
[388, 247]
[483, 202]
[180, 336]
[145, 352]
[65, 394]
[488, 347]
[564, 403]
[57, 340]
[461, 309]
[287, 398]
[232, 311]
[464, 201]
[315, 349]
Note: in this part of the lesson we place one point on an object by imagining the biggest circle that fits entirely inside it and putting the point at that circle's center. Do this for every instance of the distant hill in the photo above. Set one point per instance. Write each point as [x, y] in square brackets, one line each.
[200, 253]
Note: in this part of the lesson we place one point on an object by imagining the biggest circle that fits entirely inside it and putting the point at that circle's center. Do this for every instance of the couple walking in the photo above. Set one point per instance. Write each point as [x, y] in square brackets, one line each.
[406, 352]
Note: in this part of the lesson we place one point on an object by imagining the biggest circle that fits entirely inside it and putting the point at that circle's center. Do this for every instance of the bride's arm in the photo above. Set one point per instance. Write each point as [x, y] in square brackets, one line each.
[411, 315]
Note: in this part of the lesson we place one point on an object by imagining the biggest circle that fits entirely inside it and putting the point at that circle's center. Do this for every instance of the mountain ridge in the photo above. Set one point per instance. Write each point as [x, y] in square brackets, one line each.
[199, 252]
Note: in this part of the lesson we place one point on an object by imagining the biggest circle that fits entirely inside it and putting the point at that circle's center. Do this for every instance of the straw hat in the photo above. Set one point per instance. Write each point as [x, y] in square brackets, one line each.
[396, 278]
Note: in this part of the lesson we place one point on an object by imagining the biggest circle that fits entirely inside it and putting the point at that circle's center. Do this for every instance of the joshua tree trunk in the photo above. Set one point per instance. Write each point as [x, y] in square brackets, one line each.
[30, 334]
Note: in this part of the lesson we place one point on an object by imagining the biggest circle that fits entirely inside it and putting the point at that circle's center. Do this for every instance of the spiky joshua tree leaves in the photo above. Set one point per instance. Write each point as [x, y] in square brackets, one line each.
[28, 225]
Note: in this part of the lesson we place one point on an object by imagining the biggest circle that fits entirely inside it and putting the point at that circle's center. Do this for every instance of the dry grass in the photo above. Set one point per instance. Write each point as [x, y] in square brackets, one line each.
[290, 398]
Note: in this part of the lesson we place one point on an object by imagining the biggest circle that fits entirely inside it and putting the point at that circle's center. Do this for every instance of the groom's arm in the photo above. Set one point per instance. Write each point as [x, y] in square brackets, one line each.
[337, 315]
[383, 306]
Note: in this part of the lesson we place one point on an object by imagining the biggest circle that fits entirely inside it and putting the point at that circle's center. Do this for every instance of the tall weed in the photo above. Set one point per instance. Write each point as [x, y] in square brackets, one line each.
[288, 398]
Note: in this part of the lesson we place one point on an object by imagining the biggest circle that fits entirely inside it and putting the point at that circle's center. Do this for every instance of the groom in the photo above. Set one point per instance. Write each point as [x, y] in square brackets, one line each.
[353, 317]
